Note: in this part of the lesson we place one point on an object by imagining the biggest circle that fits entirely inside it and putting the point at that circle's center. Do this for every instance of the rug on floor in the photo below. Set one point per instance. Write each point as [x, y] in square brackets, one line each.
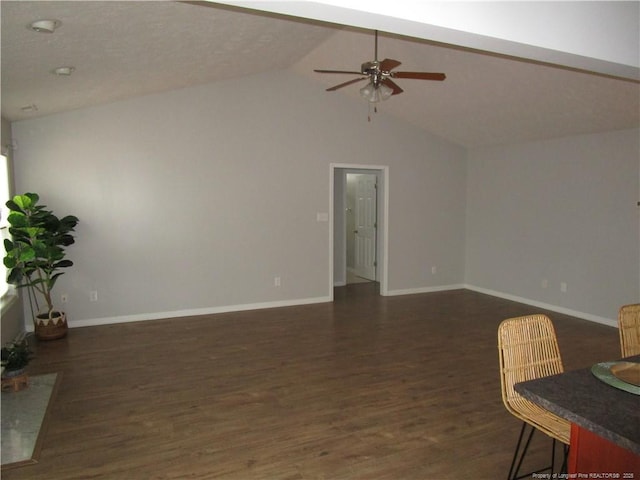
[24, 417]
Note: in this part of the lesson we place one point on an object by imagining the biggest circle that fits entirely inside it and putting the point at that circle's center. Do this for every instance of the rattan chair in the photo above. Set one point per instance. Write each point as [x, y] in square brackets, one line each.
[629, 327]
[528, 349]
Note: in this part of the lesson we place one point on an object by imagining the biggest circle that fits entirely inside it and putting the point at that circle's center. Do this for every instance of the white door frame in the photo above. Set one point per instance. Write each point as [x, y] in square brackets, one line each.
[383, 222]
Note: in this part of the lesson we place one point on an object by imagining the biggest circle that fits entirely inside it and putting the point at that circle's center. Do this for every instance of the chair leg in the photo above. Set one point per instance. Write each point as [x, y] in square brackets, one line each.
[518, 456]
[565, 460]
[513, 474]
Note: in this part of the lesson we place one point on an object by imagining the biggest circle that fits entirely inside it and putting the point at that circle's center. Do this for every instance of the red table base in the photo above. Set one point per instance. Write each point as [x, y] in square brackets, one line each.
[591, 456]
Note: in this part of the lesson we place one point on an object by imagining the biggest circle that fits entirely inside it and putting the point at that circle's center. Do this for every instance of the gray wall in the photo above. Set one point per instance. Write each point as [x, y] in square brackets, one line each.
[560, 210]
[193, 201]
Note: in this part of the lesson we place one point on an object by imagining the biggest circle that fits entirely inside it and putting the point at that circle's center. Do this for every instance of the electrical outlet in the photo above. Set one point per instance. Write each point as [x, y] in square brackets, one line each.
[434, 270]
[563, 287]
[93, 296]
[544, 283]
[276, 281]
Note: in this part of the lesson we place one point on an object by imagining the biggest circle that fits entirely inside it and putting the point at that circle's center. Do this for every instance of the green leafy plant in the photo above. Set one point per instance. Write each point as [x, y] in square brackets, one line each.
[35, 256]
[15, 356]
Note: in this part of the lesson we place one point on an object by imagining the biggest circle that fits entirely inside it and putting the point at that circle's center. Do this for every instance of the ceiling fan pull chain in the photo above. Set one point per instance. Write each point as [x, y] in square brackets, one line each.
[375, 109]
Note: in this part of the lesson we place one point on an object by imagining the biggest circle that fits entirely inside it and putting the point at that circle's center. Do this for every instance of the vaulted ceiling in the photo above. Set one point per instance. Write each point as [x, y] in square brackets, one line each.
[125, 49]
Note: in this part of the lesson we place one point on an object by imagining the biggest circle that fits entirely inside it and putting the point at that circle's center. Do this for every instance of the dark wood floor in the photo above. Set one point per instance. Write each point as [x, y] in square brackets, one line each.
[368, 387]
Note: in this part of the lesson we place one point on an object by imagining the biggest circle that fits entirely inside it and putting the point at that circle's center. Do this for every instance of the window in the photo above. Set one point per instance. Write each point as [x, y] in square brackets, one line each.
[4, 211]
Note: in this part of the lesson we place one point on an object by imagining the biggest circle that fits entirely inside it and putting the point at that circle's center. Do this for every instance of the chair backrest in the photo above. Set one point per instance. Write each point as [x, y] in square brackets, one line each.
[629, 327]
[528, 349]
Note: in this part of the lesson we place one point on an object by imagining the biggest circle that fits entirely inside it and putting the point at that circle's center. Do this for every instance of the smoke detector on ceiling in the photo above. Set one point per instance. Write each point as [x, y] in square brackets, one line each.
[45, 26]
[63, 71]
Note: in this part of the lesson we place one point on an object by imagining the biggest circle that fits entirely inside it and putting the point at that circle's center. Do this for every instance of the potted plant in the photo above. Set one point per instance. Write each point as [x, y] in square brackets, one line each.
[35, 257]
[15, 357]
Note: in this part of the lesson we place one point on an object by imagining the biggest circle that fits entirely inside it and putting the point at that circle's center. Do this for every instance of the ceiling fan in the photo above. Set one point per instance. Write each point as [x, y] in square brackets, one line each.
[380, 86]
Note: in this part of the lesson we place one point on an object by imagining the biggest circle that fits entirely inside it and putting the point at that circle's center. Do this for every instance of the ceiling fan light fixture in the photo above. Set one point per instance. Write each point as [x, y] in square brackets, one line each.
[375, 94]
[45, 26]
[385, 91]
[368, 93]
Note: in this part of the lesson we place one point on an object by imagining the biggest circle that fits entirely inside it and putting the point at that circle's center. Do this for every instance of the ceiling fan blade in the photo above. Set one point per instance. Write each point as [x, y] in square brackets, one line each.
[345, 84]
[392, 85]
[338, 71]
[388, 64]
[419, 75]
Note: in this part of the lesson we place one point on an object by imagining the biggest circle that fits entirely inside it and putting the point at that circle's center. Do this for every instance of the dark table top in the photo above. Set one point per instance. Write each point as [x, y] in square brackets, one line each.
[583, 399]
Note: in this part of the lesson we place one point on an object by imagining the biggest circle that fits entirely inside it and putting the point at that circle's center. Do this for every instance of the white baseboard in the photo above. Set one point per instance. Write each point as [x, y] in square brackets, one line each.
[307, 301]
[194, 312]
[554, 308]
[411, 291]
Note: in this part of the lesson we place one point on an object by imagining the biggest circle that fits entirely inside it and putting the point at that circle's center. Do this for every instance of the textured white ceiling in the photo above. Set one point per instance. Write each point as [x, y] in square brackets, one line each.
[124, 49]
[485, 99]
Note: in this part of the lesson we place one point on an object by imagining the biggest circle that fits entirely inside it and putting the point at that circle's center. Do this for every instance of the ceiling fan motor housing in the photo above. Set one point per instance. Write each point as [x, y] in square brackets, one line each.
[370, 68]
[373, 71]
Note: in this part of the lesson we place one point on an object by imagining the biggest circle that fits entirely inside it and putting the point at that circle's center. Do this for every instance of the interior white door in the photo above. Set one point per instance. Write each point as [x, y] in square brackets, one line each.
[365, 226]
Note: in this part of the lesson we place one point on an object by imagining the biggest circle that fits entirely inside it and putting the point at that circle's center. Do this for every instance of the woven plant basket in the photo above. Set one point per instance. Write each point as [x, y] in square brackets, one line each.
[51, 326]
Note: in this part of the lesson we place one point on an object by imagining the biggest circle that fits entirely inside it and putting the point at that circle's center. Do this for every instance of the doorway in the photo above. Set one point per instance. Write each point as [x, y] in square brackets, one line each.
[359, 233]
